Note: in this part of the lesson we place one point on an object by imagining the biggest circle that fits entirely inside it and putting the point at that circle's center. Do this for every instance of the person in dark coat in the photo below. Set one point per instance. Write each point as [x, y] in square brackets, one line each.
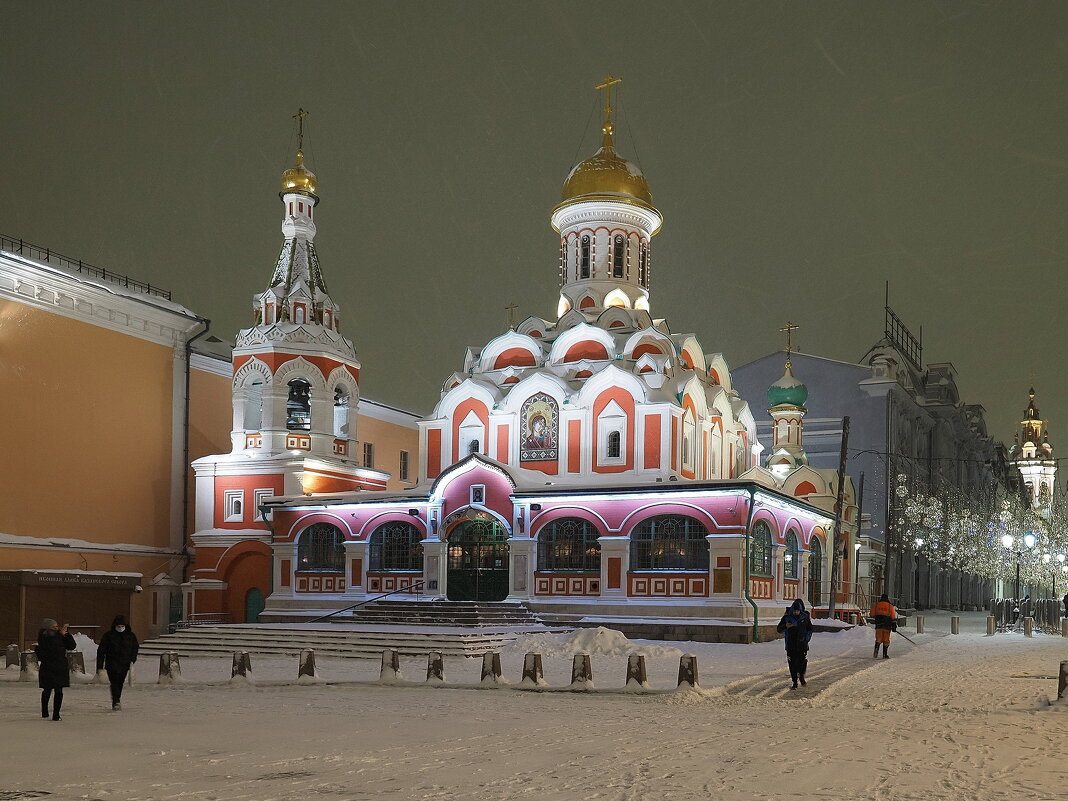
[1065, 599]
[53, 642]
[796, 625]
[116, 652]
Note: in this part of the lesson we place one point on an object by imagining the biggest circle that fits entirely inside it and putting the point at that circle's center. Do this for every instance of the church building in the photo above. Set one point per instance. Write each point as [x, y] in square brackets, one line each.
[597, 464]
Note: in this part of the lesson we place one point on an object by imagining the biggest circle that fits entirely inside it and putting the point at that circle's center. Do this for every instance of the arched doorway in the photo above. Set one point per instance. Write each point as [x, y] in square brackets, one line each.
[254, 604]
[478, 561]
[815, 572]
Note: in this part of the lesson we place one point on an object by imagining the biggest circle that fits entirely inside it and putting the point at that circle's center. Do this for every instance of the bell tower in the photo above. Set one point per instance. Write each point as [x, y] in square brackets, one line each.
[1033, 455]
[606, 220]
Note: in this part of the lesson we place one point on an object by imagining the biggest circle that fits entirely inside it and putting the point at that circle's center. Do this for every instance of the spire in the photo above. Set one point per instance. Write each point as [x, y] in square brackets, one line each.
[299, 178]
[789, 329]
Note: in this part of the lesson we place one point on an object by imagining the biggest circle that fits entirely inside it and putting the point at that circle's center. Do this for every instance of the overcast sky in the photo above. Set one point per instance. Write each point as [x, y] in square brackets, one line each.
[801, 153]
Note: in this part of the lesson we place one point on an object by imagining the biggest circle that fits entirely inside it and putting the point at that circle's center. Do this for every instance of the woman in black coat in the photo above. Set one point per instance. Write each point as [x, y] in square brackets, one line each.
[53, 673]
[116, 652]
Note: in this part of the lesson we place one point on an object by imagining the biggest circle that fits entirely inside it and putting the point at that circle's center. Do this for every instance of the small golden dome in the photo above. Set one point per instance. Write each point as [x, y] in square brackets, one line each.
[299, 178]
[607, 174]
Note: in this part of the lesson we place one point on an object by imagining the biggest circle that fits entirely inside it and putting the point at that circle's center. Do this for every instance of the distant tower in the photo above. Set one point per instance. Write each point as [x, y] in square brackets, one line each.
[1033, 455]
[606, 220]
[786, 402]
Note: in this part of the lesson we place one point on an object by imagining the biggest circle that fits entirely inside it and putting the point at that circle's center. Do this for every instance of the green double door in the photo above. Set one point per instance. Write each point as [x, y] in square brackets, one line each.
[478, 562]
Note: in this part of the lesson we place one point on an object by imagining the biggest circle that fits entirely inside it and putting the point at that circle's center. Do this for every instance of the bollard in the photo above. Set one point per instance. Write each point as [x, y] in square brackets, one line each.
[12, 656]
[532, 670]
[306, 666]
[76, 662]
[991, 625]
[491, 669]
[28, 666]
[637, 675]
[1062, 681]
[390, 666]
[170, 669]
[435, 667]
[242, 665]
[919, 624]
[581, 673]
[1064, 627]
[1029, 626]
[954, 625]
[688, 671]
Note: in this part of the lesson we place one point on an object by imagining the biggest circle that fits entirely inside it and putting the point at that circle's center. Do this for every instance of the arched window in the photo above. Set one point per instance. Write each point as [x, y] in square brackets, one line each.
[569, 544]
[474, 446]
[254, 405]
[618, 251]
[321, 548]
[815, 571]
[760, 550]
[615, 445]
[584, 257]
[669, 542]
[341, 412]
[643, 256]
[298, 406]
[792, 556]
[395, 546]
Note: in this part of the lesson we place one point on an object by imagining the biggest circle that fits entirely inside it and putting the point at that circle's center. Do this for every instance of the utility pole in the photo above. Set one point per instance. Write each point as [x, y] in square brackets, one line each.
[836, 549]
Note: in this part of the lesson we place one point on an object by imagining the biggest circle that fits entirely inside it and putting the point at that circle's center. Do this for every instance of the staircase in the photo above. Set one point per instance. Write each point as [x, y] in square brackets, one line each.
[443, 613]
[364, 642]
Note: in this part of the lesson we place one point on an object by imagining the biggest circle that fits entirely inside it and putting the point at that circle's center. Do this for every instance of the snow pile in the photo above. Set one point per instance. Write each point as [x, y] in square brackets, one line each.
[87, 647]
[599, 641]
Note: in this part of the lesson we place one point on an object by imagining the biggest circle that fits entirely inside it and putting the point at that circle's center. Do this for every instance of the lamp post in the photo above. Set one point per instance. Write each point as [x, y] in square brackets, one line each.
[856, 572]
[1028, 541]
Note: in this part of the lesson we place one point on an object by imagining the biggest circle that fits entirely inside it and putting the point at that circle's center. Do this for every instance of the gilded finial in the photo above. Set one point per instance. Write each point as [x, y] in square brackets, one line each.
[606, 87]
[789, 329]
[511, 307]
[299, 117]
[299, 178]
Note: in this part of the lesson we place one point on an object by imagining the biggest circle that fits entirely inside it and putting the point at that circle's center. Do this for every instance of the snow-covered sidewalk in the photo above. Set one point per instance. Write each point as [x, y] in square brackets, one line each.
[956, 717]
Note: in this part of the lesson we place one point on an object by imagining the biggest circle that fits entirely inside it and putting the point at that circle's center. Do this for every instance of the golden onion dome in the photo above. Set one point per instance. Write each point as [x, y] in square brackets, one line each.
[299, 178]
[607, 175]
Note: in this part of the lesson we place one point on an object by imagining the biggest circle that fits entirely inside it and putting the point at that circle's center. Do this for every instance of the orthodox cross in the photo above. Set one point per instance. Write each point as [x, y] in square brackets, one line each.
[789, 329]
[609, 82]
[299, 117]
[511, 307]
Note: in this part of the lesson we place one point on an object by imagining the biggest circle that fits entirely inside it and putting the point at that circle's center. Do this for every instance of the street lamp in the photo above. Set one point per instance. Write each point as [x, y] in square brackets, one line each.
[1009, 541]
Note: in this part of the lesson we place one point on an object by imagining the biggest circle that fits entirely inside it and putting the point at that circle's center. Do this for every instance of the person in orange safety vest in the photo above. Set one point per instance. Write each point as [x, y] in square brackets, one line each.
[885, 616]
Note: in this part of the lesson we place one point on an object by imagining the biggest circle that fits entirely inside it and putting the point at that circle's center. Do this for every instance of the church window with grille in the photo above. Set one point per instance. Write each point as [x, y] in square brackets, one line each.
[615, 450]
[569, 544]
[643, 256]
[669, 542]
[395, 546]
[321, 549]
[760, 550]
[619, 250]
[584, 257]
[791, 557]
[298, 406]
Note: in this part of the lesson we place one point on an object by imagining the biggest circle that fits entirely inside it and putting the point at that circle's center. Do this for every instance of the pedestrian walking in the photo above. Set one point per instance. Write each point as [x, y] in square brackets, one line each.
[116, 652]
[53, 642]
[885, 616]
[1065, 601]
[796, 626]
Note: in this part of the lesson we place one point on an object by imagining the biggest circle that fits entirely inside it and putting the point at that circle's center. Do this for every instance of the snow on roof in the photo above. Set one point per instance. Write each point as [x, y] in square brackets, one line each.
[79, 545]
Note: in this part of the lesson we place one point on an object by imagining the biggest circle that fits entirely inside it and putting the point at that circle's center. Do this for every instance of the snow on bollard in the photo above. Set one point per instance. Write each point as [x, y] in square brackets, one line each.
[435, 667]
[242, 668]
[919, 624]
[491, 669]
[688, 672]
[12, 656]
[307, 673]
[637, 675]
[1029, 626]
[170, 669]
[991, 625]
[954, 625]
[1062, 682]
[390, 666]
[581, 673]
[28, 666]
[533, 674]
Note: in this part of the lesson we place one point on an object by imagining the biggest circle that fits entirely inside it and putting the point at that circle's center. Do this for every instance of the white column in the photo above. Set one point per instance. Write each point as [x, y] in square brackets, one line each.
[435, 563]
[355, 584]
[522, 557]
[614, 548]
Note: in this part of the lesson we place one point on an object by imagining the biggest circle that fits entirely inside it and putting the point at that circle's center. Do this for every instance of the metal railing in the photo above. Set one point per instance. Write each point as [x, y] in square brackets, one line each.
[201, 619]
[32, 251]
[368, 601]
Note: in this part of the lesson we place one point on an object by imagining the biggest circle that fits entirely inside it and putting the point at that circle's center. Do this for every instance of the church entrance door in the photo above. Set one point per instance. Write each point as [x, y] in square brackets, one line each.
[478, 561]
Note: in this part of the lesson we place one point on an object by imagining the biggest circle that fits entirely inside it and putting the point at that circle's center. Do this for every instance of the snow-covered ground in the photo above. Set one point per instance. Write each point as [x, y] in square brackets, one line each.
[954, 717]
